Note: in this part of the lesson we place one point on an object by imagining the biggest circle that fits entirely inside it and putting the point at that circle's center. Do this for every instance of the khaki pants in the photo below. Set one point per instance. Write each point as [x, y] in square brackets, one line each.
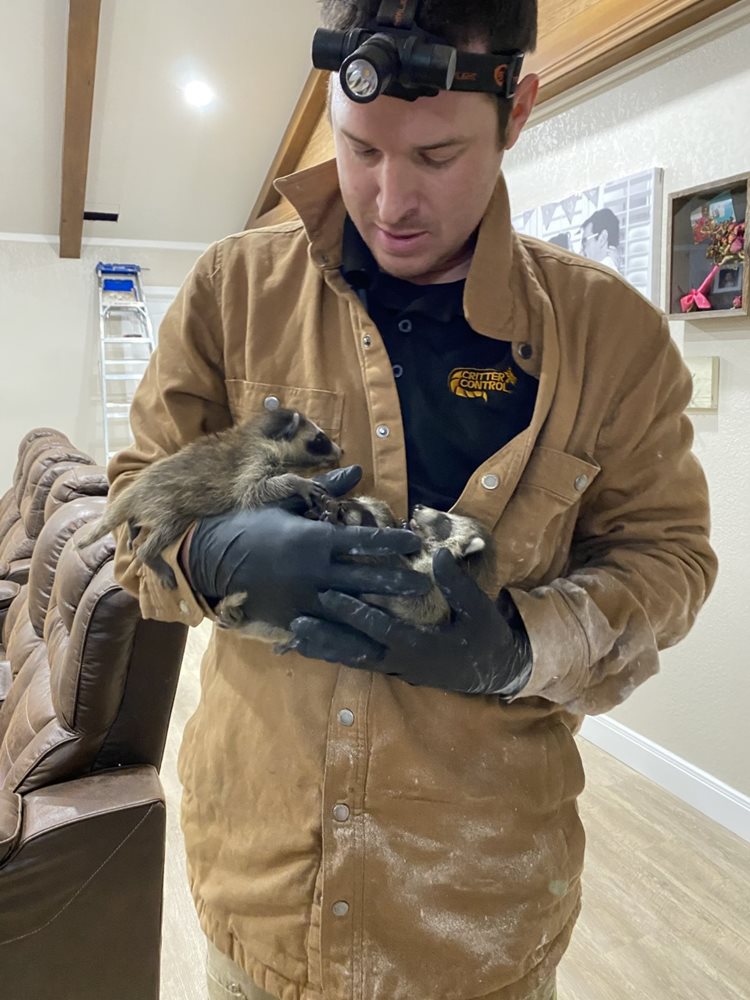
[227, 981]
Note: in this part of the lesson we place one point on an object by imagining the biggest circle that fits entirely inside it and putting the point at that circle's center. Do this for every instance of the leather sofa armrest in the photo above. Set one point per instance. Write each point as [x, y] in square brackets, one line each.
[8, 592]
[11, 814]
[18, 571]
[6, 679]
[81, 890]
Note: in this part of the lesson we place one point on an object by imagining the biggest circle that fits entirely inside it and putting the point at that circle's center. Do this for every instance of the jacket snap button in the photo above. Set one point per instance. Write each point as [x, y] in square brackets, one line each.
[272, 402]
[581, 483]
[367, 340]
[340, 908]
[490, 481]
[383, 431]
[525, 351]
[346, 717]
[341, 813]
[404, 325]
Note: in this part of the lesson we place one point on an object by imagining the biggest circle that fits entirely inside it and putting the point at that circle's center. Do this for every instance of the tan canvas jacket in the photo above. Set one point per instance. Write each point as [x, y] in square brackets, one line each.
[451, 867]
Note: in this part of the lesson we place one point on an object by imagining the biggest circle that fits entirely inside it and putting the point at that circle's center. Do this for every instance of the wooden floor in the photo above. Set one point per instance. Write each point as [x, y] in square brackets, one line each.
[666, 912]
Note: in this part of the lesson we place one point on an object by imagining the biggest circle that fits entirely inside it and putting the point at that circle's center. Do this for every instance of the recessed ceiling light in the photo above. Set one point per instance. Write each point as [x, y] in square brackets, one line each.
[198, 93]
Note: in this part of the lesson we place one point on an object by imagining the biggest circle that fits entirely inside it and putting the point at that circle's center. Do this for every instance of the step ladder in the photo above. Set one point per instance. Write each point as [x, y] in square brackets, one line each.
[126, 342]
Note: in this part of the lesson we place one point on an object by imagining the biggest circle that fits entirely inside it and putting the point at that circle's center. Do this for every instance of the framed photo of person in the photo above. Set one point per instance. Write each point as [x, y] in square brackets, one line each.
[617, 224]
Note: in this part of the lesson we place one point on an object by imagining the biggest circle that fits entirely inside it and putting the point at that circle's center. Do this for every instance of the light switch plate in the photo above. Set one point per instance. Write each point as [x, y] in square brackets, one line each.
[705, 372]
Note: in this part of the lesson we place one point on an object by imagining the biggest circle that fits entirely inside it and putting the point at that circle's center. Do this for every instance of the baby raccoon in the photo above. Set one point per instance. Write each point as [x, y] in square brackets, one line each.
[241, 467]
[465, 538]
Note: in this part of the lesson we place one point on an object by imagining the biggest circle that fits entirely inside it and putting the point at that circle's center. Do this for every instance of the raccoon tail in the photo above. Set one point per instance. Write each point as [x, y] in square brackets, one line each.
[115, 514]
[97, 530]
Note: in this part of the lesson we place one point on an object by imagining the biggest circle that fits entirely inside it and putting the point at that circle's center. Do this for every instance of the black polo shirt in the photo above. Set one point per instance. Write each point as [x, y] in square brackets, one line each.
[462, 395]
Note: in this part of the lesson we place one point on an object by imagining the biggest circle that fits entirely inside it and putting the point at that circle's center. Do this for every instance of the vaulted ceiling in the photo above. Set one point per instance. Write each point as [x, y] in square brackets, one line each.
[171, 171]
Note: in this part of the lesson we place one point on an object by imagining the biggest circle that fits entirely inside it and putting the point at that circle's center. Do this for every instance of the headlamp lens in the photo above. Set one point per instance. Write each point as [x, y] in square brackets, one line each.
[361, 79]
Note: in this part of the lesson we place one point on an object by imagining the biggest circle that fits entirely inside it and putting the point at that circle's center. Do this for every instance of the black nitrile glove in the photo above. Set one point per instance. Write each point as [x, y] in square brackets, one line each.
[283, 561]
[478, 652]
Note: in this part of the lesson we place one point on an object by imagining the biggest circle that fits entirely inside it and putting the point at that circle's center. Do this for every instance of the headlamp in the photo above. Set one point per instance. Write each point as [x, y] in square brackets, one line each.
[394, 56]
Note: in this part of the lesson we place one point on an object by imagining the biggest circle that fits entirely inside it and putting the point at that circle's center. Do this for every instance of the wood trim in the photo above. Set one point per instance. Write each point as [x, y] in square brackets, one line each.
[596, 36]
[607, 32]
[83, 38]
[309, 108]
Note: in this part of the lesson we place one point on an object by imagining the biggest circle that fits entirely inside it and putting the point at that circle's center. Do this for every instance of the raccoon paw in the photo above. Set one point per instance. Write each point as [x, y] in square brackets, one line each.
[229, 610]
[332, 511]
[313, 494]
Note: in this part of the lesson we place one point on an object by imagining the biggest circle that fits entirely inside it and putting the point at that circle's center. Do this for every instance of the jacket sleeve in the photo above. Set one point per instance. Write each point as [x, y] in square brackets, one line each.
[641, 565]
[181, 397]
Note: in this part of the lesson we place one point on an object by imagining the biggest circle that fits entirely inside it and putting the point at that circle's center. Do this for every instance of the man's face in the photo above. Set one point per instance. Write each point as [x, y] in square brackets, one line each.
[592, 246]
[416, 177]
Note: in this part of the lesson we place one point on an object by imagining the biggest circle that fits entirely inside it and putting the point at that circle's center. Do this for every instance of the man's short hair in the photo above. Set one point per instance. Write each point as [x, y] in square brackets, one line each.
[503, 25]
[603, 219]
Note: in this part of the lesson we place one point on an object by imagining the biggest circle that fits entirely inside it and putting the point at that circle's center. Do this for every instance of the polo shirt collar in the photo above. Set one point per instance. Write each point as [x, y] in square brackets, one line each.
[501, 285]
[442, 301]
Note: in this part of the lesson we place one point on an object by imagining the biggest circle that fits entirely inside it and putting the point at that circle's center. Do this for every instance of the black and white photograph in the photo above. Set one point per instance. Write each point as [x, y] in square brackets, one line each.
[616, 224]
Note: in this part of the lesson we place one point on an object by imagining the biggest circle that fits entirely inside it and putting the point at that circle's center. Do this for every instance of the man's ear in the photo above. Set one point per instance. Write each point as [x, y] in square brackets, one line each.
[523, 104]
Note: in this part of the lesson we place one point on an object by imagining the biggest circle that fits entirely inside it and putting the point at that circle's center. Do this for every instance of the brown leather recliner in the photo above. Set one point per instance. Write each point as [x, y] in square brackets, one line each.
[76, 481]
[43, 461]
[9, 510]
[82, 816]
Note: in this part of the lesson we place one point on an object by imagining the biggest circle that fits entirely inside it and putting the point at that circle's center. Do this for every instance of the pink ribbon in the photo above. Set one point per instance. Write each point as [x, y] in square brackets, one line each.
[697, 298]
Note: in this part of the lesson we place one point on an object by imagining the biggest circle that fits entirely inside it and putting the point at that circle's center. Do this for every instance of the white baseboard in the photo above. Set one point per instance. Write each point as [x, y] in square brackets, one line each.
[717, 801]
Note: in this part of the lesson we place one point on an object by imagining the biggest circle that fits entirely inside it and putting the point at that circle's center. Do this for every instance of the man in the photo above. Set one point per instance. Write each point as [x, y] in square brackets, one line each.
[600, 238]
[387, 813]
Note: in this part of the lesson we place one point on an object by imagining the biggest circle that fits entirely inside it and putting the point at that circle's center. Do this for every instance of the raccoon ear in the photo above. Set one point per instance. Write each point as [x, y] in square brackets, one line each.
[476, 544]
[282, 424]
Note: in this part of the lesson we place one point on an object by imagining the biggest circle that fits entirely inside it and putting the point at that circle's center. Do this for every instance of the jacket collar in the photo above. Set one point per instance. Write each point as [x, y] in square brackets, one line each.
[501, 284]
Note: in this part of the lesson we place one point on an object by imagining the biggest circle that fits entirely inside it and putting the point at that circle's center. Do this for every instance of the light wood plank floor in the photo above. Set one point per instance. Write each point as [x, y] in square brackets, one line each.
[666, 913]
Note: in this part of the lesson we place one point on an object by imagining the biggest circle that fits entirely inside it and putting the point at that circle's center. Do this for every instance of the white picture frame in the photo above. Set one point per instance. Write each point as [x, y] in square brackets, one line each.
[634, 201]
[728, 279]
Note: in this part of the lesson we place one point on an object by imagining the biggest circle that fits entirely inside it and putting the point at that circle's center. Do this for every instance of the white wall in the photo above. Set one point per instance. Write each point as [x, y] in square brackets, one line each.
[49, 330]
[688, 114]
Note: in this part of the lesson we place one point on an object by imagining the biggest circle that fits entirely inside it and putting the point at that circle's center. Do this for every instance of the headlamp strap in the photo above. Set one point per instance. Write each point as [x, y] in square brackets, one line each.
[397, 13]
[496, 73]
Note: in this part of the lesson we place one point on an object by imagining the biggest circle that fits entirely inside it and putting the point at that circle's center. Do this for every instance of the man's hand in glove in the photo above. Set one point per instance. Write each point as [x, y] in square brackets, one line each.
[283, 561]
[481, 651]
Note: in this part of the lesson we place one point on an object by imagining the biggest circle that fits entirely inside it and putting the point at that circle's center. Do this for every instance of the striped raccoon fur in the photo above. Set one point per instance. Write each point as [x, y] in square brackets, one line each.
[465, 538]
[241, 467]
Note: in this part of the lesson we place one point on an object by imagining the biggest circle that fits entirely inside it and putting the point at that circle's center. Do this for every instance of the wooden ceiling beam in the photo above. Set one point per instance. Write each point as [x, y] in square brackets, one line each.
[83, 38]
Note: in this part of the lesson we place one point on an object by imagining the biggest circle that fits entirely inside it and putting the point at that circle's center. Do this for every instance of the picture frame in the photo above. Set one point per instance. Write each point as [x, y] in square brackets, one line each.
[728, 279]
[722, 295]
[630, 206]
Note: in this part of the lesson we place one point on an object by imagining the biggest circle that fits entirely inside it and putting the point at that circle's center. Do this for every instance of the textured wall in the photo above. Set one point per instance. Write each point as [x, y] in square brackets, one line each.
[690, 116]
[49, 332]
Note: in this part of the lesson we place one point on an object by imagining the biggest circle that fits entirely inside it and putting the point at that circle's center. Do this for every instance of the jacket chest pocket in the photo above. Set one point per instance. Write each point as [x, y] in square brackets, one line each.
[323, 406]
[534, 533]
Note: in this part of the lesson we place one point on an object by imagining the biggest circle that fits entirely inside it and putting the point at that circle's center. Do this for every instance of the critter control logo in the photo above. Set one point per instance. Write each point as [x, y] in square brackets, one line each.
[478, 383]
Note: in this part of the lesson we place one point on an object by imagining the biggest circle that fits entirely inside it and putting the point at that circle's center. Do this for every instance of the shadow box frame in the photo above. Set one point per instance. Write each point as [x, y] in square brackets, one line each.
[684, 256]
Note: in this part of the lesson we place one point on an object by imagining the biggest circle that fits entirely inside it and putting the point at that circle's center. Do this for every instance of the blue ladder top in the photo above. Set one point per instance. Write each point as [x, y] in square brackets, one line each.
[117, 268]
